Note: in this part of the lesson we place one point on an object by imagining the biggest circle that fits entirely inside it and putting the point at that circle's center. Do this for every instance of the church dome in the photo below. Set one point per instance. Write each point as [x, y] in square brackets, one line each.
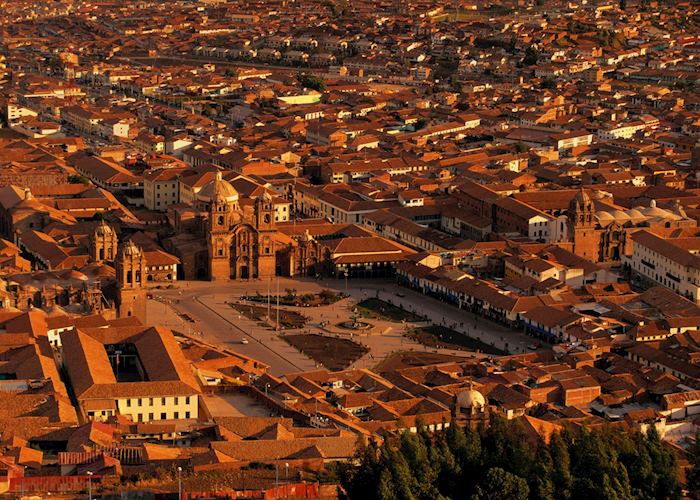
[470, 398]
[103, 229]
[130, 249]
[581, 199]
[218, 190]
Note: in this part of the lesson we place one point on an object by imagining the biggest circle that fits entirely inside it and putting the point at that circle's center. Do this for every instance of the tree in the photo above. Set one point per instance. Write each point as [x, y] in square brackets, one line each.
[531, 55]
[78, 179]
[540, 483]
[499, 461]
[596, 468]
[501, 485]
[361, 482]
[693, 475]
[664, 463]
[311, 82]
[561, 475]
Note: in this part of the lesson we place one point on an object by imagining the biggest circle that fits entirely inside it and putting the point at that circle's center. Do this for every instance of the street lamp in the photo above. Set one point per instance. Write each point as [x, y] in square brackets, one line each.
[89, 474]
[266, 387]
[24, 476]
[346, 281]
[179, 483]
[286, 480]
[277, 481]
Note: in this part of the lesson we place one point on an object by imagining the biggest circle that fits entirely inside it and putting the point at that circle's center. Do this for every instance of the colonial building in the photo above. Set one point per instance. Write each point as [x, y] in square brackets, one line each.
[136, 372]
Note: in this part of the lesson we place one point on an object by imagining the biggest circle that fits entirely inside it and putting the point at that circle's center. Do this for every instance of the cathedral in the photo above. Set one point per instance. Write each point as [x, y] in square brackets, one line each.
[225, 236]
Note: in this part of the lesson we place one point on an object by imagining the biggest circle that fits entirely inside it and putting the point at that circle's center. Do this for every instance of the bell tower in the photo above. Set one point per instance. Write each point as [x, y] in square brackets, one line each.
[219, 232]
[582, 224]
[131, 271]
[264, 212]
[266, 251]
[103, 243]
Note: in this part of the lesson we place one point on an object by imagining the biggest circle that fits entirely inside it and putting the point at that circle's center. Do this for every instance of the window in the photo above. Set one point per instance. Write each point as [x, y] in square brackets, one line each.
[150, 401]
[128, 403]
[163, 416]
[139, 402]
[187, 400]
[162, 401]
[176, 414]
[176, 400]
[150, 417]
[187, 414]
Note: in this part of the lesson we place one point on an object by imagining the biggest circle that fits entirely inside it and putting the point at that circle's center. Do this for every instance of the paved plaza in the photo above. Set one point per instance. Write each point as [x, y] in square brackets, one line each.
[201, 309]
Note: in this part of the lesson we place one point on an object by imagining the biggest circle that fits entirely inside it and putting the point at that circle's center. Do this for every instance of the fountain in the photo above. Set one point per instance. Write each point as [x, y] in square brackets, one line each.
[354, 323]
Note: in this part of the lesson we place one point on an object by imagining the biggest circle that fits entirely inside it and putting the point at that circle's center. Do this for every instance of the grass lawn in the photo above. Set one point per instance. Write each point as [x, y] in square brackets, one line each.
[379, 309]
[333, 353]
[288, 319]
[440, 336]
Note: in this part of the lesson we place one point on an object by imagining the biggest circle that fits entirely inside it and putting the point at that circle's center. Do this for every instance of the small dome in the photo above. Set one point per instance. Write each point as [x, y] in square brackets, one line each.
[654, 211]
[103, 229]
[72, 274]
[635, 214]
[470, 398]
[219, 190]
[619, 215]
[580, 200]
[604, 218]
[130, 249]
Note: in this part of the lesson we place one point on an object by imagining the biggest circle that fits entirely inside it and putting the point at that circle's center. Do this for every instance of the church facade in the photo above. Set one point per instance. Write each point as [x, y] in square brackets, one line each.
[226, 236]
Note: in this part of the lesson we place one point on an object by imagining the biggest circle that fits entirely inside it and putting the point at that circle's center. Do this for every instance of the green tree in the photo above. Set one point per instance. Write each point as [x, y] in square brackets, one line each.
[531, 55]
[540, 482]
[561, 475]
[78, 179]
[596, 469]
[311, 82]
[664, 463]
[501, 485]
[693, 474]
[360, 482]
[465, 445]
[401, 477]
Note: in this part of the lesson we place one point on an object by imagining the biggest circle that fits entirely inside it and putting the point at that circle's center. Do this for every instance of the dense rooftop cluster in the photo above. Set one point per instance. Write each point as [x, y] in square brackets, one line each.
[527, 169]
